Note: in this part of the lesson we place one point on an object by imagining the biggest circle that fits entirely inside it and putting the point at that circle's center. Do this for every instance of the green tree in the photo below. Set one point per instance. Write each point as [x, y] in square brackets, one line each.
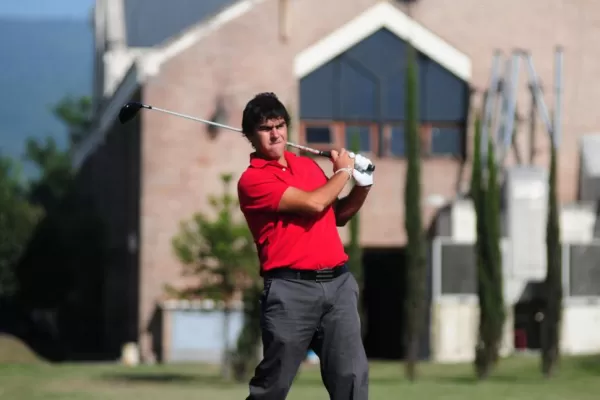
[68, 224]
[64, 259]
[477, 192]
[56, 173]
[493, 215]
[553, 282]
[17, 222]
[76, 114]
[416, 261]
[221, 253]
[486, 200]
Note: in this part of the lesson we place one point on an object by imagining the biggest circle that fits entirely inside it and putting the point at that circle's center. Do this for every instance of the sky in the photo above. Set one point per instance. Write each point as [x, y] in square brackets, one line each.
[33, 9]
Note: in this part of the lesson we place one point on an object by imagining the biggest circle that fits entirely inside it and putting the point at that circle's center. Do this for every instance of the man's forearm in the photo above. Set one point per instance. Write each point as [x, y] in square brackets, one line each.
[328, 193]
[348, 206]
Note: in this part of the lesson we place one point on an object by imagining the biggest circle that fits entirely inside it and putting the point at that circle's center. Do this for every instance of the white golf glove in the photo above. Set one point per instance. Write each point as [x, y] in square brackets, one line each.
[362, 178]
[361, 162]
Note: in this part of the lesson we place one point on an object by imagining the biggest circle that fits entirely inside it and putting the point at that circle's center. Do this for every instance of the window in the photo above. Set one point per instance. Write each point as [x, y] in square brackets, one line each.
[397, 141]
[447, 141]
[363, 134]
[318, 134]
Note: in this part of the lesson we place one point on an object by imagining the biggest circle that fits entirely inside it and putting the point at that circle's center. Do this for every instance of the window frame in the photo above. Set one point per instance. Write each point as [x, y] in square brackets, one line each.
[428, 136]
[381, 134]
[373, 133]
[334, 142]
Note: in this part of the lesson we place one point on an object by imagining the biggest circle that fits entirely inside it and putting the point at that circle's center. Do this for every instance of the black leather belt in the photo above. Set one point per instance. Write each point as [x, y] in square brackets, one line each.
[321, 275]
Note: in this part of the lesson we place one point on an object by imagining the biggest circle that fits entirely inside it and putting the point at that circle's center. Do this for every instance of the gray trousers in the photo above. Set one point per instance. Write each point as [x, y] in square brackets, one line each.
[301, 314]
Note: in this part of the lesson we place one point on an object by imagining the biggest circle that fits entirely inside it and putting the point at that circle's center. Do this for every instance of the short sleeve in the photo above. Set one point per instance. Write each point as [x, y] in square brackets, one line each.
[260, 191]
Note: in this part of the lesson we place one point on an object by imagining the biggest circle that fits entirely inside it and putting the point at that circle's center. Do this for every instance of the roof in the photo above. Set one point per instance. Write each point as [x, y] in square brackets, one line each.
[149, 23]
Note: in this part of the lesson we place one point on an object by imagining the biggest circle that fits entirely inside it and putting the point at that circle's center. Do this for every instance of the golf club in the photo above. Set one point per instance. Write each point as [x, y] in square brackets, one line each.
[130, 110]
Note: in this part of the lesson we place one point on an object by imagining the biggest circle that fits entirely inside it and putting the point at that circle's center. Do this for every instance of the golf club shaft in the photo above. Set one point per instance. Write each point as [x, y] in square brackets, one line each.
[311, 150]
[192, 118]
[127, 113]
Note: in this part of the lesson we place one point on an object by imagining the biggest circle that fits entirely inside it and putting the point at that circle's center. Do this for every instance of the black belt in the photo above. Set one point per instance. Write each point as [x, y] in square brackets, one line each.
[321, 275]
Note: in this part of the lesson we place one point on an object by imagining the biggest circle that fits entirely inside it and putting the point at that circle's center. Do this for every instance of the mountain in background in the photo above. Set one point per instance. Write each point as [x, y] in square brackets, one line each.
[41, 61]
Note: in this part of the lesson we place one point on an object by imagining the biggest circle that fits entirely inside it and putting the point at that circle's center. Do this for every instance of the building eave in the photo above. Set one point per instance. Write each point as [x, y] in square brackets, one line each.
[130, 83]
[147, 62]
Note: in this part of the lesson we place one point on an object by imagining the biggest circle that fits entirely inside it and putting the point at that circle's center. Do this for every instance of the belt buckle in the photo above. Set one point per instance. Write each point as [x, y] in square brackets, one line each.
[324, 275]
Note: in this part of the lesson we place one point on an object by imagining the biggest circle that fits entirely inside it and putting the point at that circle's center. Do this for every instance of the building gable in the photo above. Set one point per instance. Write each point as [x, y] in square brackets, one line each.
[366, 82]
[382, 15]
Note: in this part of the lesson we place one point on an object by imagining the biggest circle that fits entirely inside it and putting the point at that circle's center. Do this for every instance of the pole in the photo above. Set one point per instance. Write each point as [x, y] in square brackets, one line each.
[511, 100]
[558, 89]
[532, 123]
[537, 92]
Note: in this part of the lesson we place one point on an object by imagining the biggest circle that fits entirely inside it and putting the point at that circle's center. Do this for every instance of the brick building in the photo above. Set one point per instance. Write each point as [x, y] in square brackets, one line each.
[338, 66]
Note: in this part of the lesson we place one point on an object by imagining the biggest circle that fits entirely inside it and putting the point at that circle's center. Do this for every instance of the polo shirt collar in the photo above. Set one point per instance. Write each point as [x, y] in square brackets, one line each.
[258, 162]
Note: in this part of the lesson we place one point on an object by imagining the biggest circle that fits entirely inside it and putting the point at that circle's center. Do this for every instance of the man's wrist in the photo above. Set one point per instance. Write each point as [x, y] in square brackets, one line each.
[365, 188]
[345, 169]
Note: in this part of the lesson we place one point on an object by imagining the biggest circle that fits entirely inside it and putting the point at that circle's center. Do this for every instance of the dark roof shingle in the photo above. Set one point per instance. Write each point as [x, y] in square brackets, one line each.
[151, 22]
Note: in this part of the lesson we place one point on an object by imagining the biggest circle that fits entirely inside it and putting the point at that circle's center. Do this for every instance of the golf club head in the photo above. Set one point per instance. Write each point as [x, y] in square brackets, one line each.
[129, 111]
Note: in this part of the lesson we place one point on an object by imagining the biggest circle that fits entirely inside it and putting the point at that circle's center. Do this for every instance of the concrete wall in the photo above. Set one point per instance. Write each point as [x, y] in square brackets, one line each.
[455, 319]
[580, 327]
[196, 332]
[455, 330]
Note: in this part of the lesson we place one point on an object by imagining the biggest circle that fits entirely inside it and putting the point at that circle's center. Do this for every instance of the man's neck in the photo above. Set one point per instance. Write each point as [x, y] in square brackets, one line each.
[281, 161]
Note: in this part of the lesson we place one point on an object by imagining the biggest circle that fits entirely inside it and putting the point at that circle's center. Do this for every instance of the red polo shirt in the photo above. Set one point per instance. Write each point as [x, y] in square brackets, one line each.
[288, 239]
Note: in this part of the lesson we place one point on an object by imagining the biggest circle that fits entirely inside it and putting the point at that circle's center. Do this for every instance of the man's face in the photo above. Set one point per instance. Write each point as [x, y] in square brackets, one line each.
[270, 138]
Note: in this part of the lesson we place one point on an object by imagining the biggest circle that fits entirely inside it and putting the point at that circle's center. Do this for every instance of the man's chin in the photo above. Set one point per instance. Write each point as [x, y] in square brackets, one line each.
[277, 151]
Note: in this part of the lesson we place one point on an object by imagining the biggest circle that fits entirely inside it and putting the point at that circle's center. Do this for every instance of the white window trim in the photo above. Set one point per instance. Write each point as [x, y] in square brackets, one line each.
[382, 15]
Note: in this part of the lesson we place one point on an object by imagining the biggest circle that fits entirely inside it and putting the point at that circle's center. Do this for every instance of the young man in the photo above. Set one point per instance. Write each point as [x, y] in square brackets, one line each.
[310, 300]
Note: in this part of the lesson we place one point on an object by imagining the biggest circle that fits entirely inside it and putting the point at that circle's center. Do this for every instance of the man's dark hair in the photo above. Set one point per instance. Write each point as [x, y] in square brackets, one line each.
[262, 107]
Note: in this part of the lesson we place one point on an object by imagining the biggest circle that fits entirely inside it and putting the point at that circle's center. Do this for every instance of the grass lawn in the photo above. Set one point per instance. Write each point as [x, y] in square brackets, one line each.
[517, 378]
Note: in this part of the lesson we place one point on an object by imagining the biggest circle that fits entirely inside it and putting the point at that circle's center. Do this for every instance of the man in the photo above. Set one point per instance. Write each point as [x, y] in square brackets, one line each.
[310, 300]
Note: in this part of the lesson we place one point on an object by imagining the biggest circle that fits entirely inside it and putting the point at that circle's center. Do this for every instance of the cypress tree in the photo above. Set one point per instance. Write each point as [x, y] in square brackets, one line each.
[497, 313]
[415, 249]
[478, 197]
[553, 283]
[486, 200]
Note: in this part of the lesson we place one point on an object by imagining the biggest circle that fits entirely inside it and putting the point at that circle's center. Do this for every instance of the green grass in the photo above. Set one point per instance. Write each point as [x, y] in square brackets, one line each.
[13, 350]
[517, 378]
